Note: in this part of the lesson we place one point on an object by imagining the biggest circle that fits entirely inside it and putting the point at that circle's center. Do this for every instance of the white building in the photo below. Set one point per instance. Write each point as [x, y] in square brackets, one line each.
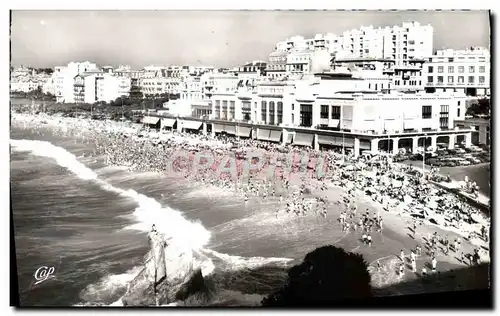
[63, 79]
[276, 67]
[401, 43]
[342, 103]
[99, 87]
[191, 89]
[466, 71]
[307, 61]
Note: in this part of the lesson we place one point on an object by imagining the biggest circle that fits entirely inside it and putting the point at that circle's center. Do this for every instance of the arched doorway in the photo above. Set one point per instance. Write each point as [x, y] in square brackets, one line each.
[385, 145]
[443, 141]
[425, 141]
[406, 143]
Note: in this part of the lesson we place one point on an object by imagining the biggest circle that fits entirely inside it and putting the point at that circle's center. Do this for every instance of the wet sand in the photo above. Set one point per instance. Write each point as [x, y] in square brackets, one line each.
[386, 246]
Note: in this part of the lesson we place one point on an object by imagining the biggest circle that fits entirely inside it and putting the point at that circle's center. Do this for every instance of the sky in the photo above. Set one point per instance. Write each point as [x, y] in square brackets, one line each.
[206, 38]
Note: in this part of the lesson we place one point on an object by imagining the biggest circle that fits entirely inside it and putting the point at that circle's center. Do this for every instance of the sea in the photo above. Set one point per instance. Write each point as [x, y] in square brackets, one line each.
[89, 222]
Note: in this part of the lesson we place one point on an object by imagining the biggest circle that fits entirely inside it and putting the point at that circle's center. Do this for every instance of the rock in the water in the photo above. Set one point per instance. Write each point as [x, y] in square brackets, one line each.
[183, 282]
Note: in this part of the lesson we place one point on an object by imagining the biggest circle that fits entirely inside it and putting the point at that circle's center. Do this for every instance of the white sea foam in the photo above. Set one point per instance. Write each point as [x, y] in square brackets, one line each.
[184, 234]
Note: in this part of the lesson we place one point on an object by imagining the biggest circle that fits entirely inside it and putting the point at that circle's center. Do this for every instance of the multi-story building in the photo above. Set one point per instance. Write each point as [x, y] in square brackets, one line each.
[338, 109]
[126, 71]
[191, 89]
[25, 79]
[97, 87]
[400, 43]
[63, 79]
[276, 67]
[307, 61]
[375, 72]
[408, 76]
[466, 71]
[251, 70]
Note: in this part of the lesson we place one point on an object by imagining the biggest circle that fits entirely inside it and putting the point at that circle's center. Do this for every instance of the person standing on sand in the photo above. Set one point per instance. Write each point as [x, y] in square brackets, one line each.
[434, 264]
[413, 265]
[401, 270]
[412, 255]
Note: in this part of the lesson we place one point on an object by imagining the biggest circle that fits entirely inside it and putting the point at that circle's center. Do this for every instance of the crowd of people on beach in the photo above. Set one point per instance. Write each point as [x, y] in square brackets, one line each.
[294, 180]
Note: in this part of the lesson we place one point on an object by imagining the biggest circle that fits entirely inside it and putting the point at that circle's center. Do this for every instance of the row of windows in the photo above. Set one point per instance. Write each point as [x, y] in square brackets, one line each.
[335, 112]
[452, 59]
[460, 79]
[410, 82]
[461, 69]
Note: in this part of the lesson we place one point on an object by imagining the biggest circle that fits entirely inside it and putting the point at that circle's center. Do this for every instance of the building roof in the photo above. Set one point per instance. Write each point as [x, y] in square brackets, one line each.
[273, 54]
[354, 60]
[336, 76]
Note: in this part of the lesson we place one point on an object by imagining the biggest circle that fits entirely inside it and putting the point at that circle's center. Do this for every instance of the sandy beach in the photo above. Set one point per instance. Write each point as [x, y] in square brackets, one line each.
[398, 221]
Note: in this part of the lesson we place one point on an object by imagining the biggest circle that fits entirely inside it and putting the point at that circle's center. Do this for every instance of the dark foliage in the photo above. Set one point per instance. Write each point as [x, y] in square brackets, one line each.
[48, 71]
[327, 274]
[480, 108]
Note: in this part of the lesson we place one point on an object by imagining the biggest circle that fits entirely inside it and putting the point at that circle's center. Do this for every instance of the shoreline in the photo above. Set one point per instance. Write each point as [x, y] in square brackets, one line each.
[395, 218]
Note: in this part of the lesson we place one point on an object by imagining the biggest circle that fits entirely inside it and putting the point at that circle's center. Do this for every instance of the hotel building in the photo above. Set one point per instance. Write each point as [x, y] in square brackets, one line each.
[401, 43]
[466, 71]
[97, 87]
[335, 109]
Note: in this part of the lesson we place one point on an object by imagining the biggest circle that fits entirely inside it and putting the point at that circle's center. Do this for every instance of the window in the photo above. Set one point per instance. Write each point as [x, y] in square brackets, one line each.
[471, 79]
[231, 110]
[280, 112]
[431, 69]
[306, 115]
[440, 79]
[440, 69]
[324, 111]
[443, 121]
[450, 79]
[263, 111]
[458, 112]
[411, 42]
[444, 109]
[293, 107]
[451, 59]
[451, 69]
[472, 69]
[271, 112]
[430, 79]
[460, 79]
[482, 69]
[461, 69]
[336, 112]
[426, 111]
[481, 79]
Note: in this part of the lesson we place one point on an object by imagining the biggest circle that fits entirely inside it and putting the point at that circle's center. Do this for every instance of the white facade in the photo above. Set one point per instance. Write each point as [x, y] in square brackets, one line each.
[465, 71]
[342, 104]
[191, 89]
[400, 43]
[63, 79]
[307, 62]
[99, 87]
[24, 86]
[276, 67]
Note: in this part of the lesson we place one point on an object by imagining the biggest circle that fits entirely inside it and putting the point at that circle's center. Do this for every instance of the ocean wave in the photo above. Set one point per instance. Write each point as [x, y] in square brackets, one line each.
[184, 235]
